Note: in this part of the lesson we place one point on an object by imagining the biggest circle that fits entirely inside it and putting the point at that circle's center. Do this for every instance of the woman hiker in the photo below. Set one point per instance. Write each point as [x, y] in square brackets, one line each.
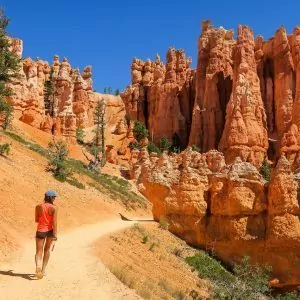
[46, 217]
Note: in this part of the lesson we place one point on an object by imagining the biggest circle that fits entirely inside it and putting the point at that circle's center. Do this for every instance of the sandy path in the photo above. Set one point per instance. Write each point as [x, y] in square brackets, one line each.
[73, 271]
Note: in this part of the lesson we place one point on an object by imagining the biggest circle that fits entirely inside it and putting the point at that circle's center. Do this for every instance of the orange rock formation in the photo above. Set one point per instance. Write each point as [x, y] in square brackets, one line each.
[242, 98]
[229, 209]
[161, 96]
[245, 131]
[73, 96]
[246, 104]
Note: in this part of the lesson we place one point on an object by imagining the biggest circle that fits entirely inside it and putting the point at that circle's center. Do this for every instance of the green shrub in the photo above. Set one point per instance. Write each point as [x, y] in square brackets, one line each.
[15, 137]
[135, 145]
[247, 281]
[80, 135]
[58, 160]
[164, 144]
[140, 131]
[152, 148]
[93, 149]
[124, 183]
[265, 170]
[38, 149]
[175, 149]
[73, 181]
[256, 276]
[196, 148]
[208, 267]
[118, 188]
[5, 149]
[34, 147]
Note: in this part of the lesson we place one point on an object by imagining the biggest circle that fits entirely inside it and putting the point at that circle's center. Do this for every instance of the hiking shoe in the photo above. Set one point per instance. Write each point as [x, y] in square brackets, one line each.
[39, 274]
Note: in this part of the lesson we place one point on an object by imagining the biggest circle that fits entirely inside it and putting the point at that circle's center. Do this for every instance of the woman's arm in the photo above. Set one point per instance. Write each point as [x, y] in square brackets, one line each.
[55, 222]
[37, 215]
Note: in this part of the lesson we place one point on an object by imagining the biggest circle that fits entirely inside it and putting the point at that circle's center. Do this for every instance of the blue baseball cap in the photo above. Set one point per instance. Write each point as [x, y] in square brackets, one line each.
[51, 193]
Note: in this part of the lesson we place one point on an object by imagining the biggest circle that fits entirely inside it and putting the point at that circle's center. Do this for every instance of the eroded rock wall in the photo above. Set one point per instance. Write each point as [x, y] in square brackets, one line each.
[242, 98]
[73, 100]
[245, 130]
[214, 75]
[161, 95]
[229, 209]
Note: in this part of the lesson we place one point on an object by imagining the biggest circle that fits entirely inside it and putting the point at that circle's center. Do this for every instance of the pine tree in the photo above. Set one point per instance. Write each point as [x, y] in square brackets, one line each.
[99, 138]
[58, 160]
[9, 67]
[164, 144]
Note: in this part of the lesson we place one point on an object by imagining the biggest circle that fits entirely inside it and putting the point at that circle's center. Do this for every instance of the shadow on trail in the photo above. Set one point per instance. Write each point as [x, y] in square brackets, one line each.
[126, 219]
[22, 275]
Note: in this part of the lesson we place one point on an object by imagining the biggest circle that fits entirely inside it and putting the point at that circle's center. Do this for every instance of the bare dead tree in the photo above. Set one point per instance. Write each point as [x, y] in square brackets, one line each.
[99, 137]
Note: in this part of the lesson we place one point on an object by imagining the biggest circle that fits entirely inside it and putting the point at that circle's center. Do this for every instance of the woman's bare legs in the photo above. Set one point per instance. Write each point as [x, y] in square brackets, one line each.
[46, 254]
[39, 254]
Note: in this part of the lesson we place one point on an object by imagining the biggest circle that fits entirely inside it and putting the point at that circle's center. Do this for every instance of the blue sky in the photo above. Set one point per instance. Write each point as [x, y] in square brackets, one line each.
[108, 34]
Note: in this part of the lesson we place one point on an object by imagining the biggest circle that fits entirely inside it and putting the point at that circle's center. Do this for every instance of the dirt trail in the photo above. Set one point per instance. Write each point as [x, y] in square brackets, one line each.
[73, 271]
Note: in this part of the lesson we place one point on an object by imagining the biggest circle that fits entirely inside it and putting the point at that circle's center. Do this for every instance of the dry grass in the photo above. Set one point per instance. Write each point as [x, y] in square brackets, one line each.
[123, 275]
[151, 260]
[163, 223]
[117, 188]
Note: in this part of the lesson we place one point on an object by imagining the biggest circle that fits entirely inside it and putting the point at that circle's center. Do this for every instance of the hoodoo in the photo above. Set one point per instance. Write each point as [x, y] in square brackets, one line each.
[239, 109]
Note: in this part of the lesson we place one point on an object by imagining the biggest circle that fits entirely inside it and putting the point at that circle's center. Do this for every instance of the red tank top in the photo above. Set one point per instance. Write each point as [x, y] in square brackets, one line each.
[45, 220]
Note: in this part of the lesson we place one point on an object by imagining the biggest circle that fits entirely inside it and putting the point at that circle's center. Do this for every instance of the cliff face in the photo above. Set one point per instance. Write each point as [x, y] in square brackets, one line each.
[242, 98]
[72, 101]
[229, 209]
[162, 96]
[214, 76]
[245, 131]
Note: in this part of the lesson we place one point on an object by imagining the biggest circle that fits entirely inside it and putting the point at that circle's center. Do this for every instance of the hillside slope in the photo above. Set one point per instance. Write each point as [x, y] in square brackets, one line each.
[23, 182]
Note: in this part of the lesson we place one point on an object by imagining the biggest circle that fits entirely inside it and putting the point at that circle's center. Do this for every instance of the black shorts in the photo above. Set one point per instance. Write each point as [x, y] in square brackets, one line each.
[43, 235]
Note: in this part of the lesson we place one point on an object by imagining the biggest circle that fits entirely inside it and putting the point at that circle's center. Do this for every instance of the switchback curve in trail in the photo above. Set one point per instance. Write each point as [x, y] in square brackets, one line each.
[73, 271]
